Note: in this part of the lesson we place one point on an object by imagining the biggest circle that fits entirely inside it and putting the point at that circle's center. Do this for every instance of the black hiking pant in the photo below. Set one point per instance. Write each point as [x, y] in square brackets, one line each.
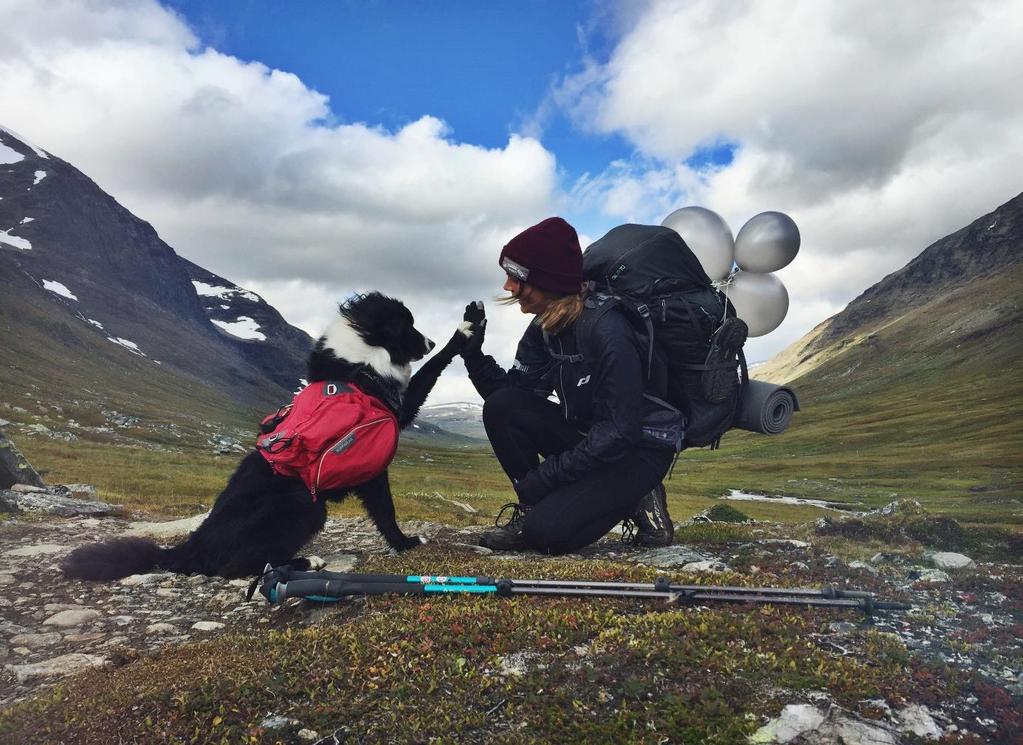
[521, 427]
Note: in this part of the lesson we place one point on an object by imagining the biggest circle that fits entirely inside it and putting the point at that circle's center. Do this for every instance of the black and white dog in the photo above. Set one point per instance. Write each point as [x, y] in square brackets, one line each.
[262, 517]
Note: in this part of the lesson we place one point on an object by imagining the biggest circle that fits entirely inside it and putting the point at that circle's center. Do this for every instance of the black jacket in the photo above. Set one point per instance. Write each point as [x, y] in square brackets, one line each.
[597, 368]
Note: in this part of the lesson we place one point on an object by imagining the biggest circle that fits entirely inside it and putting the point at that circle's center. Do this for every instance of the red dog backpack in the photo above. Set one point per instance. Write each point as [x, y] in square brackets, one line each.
[332, 435]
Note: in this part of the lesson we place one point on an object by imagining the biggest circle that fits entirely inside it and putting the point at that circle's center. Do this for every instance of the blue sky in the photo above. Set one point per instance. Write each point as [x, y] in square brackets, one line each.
[485, 68]
[307, 150]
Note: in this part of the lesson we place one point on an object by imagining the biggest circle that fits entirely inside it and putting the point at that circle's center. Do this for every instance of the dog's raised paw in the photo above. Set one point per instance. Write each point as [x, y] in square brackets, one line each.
[316, 563]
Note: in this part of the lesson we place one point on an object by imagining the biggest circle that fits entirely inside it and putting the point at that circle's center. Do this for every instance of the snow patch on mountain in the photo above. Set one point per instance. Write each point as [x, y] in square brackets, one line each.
[58, 288]
[244, 328]
[224, 293]
[26, 220]
[13, 240]
[40, 175]
[9, 156]
[37, 150]
[129, 345]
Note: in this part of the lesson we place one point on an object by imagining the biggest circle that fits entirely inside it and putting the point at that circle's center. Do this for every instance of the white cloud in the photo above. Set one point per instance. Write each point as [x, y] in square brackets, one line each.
[879, 129]
[245, 170]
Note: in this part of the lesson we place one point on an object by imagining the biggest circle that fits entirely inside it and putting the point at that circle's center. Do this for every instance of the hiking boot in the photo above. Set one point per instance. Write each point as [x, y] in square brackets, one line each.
[507, 536]
[650, 525]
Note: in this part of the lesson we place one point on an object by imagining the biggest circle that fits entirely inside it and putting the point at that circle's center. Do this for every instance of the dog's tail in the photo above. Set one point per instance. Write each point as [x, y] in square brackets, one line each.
[118, 558]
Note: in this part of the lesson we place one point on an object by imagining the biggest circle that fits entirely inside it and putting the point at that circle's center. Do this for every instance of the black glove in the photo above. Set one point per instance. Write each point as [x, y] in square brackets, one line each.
[476, 316]
[531, 488]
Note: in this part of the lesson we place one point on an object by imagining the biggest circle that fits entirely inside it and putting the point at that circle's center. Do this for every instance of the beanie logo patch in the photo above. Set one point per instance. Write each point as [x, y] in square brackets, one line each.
[515, 269]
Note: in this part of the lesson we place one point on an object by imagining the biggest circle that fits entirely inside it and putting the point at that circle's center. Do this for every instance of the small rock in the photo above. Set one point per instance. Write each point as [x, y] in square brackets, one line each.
[161, 628]
[515, 665]
[275, 722]
[708, 565]
[309, 735]
[34, 641]
[135, 580]
[481, 550]
[81, 491]
[71, 618]
[84, 637]
[57, 667]
[6, 579]
[41, 549]
[864, 566]
[842, 627]
[917, 719]
[207, 625]
[28, 489]
[949, 560]
[795, 719]
[167, 528]
[934, 576]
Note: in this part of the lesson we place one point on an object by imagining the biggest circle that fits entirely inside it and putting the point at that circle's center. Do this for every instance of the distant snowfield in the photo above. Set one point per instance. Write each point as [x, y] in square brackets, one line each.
[243, 328]
[13, 240]
[40, 175]
[58, 288]
[224, 293]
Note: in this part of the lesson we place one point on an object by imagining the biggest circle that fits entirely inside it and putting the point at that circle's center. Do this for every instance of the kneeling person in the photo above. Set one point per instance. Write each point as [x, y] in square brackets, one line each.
[598, 467]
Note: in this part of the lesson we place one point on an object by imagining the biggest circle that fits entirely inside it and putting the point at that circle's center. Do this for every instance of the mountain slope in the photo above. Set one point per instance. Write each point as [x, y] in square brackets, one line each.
[916, 384]
[95, 308]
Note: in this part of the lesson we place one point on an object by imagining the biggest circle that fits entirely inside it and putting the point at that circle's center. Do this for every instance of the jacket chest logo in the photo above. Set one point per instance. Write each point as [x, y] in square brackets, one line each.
[583, 381]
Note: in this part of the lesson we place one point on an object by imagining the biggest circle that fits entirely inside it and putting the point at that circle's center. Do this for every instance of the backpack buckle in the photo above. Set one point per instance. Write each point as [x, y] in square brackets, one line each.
[644, 310]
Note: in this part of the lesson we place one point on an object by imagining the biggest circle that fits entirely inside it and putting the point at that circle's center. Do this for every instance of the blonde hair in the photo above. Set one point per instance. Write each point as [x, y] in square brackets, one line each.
[563, 311]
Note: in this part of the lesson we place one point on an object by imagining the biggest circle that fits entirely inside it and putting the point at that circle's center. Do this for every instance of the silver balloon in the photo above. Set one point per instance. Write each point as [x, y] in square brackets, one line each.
[761, 300]
[766, 243]
[708, 235]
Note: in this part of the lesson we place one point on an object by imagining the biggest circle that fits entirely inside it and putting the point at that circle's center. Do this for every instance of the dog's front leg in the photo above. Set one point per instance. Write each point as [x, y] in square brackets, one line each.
[422, 382]
[376, 496]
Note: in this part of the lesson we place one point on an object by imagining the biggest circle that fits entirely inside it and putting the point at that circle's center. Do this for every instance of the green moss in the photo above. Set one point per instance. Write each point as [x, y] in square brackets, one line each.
[724, 513]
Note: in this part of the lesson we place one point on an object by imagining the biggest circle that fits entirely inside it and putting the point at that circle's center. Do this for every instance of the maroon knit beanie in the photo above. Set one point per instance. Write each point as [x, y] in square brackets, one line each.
[547, 256]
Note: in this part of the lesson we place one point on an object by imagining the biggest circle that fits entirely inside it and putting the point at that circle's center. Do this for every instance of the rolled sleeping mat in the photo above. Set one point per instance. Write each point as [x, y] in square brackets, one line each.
[766, 408]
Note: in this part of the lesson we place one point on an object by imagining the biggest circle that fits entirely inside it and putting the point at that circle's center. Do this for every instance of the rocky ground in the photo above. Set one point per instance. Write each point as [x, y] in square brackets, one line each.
[967, 614]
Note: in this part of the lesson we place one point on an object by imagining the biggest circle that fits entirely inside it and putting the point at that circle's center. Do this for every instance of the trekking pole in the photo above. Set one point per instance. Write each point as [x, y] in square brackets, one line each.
[282, 583]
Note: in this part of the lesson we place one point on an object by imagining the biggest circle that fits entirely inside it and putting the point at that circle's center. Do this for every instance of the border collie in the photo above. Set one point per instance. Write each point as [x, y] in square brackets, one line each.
[261, 517]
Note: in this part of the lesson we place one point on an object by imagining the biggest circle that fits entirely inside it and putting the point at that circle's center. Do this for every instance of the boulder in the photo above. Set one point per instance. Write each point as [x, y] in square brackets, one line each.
[948, 560]
[56, 500]
[56, 667]
[916, 719]
[14, 467]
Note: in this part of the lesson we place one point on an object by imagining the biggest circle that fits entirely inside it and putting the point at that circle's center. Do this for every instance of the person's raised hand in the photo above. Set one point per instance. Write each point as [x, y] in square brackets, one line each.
[469, 336]
[474, 325]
